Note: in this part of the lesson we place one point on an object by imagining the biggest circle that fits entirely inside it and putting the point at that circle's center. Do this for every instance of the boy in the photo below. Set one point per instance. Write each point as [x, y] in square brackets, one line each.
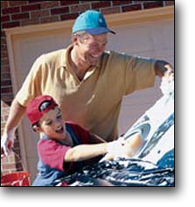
[64, 147]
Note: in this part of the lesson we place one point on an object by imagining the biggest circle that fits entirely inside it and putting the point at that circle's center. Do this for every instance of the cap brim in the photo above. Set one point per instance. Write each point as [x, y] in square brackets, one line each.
[99, 30]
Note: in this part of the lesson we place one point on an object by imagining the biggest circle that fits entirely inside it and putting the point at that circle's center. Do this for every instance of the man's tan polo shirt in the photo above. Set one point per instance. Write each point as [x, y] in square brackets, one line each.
[95, 102]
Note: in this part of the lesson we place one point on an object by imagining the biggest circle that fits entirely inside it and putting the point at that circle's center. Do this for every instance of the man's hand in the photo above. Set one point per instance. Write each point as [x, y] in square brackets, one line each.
[169, 73]
[167, 82]
[167, 85]
[163, 69]
[166, 72]
[133, 145]
[7, 142]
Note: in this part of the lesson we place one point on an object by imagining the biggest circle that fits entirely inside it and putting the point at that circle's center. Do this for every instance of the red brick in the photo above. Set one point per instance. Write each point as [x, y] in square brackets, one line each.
[169, 3]
[5, 18]
[19, 166]
[111, 10]
[62, 10]
[135, 2]
[121, 2]
[3, 47]
[4, 4]
[4, 105]
[4, 54]
[4, 69]
[6, 90]
[16, 144]
[10, 10]
[7, 98]
[10, 24]
[151, 5]
[29, 22]
[100, 4]
[2, 124]
[32, 2]
[10, 166]
[4, 61]
[3, 41]
[5, 76]
[17, 3]
[5, 110]
[31, 7]
[131, 8]
[69, 16]
[2, 119]
[49, 19]
[2, 33]
[62, 3]
[6, 159]
[6, 83]
[20, 16]
[49, 4]
[79, 8]
[11, 158]
[41, 13]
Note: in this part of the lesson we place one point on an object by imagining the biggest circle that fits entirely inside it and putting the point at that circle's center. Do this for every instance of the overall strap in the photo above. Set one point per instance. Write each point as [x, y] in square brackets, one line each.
[75, 139]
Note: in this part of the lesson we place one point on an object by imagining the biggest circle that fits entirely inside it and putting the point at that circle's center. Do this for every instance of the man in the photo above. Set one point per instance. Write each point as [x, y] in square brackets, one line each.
[87, 82]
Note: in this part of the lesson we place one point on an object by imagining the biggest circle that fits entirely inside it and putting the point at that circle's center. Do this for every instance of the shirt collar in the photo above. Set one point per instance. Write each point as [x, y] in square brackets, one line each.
[65, 58]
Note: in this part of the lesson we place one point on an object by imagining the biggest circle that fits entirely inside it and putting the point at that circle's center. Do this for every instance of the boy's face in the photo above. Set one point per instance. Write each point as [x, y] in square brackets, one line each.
[52, 124]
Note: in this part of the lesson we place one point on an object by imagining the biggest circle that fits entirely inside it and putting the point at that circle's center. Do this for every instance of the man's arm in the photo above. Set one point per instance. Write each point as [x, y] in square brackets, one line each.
[15, 115]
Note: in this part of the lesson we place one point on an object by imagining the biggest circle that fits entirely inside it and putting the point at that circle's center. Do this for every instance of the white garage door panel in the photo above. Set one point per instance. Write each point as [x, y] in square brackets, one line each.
[135, 104]
[27, 49]
[149, 40]
[133, 39]
[163, 35]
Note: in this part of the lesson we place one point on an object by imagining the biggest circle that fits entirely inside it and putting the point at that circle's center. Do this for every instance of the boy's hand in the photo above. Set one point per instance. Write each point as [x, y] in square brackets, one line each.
[132, 146]
[124, 148]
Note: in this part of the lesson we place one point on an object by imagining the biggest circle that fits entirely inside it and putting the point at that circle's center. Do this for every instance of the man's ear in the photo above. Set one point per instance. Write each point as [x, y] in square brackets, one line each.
[74, 38]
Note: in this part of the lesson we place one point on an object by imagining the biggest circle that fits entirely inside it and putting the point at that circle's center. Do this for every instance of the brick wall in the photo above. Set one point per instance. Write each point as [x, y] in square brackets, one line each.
[21, 13]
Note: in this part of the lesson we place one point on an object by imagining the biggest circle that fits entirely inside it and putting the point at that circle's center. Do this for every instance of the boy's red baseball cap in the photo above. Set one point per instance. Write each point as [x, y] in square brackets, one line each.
[33, 111]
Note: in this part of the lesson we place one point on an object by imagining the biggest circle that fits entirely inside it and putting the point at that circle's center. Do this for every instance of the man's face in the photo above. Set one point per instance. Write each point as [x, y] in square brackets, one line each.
[91, 47]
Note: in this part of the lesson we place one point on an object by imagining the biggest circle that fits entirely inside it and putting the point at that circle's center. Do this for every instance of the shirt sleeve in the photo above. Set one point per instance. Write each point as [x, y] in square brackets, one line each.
[135, 72]
[139, 73]
[52, 153]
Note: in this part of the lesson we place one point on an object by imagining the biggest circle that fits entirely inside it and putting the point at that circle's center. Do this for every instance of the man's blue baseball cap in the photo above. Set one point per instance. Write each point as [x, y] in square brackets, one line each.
[92, 22]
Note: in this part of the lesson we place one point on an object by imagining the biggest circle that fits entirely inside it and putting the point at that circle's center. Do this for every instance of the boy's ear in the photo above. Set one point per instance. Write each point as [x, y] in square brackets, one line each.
[36, 128]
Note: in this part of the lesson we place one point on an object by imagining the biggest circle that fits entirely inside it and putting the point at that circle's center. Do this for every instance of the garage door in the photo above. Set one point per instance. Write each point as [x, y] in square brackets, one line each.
[151, 39]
